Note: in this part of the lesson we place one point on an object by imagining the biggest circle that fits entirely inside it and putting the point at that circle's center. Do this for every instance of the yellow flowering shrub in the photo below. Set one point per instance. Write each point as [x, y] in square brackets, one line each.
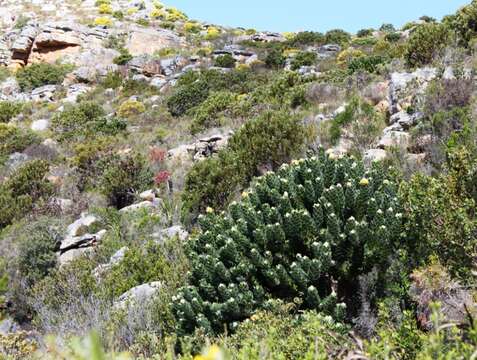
[103, 21]
[192, 27]
[289, 35]
[105, 9]
[17, 345]
[212, 33]
[346, 56]
[131, 10]
[130, 108]
[212, 353]
[174, 14]
[157, 13]
[157, 4]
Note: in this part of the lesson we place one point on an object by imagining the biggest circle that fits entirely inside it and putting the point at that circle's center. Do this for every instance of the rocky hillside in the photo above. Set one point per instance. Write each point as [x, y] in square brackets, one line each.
[168, 184]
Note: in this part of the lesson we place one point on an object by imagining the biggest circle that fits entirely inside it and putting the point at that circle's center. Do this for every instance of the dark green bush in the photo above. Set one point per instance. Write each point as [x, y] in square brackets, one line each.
[270, 140]
[123, 58]
[14, 139]
[440, 216]
[393, 37]
[304, 38]
[193, 88]
[20, 192]
[316, 220]
[425, 43]
[387, 28]
[303, 58]
[225, 61]
[275, 59]
[85, 119]
[364, 33]
[206, 115]
[464, 23]
[40, 74]
[8, 110]
[37, 247]
[337, 36]
[123, 178]
[365, 63]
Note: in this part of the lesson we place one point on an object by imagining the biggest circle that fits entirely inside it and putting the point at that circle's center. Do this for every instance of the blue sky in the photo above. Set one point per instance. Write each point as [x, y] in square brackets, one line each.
[317, 15]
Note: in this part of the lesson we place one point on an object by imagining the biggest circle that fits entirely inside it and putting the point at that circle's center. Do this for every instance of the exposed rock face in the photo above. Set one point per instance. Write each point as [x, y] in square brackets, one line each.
[148, 41]
[115, 259]
[394, 139]
[78, 240]
[139, 295]
[199, 150]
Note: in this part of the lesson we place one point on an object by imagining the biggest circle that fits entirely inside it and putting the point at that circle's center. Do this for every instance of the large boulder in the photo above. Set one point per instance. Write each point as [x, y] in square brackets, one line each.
[139, 295]
[148, 40]
[394, 139]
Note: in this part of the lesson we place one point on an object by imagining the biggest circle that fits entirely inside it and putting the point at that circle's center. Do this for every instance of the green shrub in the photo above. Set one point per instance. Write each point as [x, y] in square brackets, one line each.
[85, 119]
[206, 115]
[20, 192]
[393, 37]
[426, 41]
[193, 88]
[365, 63]
[275, 59]
[387, 28]
[37, 247]
[113, 80]
[269, 140]
[40, 74]
[464, 23]
[123, 178]
[355, 110]
[337, 36]
[8, 110]
[363, 33]
[303, 58]
[318, 219]
[304, 38]
[307, 335]
[225, 61]
[440, 216]
[13, 139]
[123, 58]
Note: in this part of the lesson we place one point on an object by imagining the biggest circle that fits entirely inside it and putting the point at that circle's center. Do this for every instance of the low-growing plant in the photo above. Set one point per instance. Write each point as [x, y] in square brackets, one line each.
[225, 61]
[303, 58]
[207, 114]
[130, 108]
[337, 36]
[40, 74]
[13, 139]
[8, 110]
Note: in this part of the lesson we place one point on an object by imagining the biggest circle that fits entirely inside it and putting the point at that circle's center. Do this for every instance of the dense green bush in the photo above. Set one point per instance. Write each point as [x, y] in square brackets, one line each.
[316, 220]
[85, 119]
[123, 178]
[14, 139]
[337, 36]
[363, 33]
[464, 23]
[275, 59]
[37, 247]
[440, 216]
[270, 140]
[8, 110]
[425, 43]
[20, 192]
[206, 115]
[303, 58]
[365, 63]
[225, 61]
[193, 88]
[40, 74]
[304, 38]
